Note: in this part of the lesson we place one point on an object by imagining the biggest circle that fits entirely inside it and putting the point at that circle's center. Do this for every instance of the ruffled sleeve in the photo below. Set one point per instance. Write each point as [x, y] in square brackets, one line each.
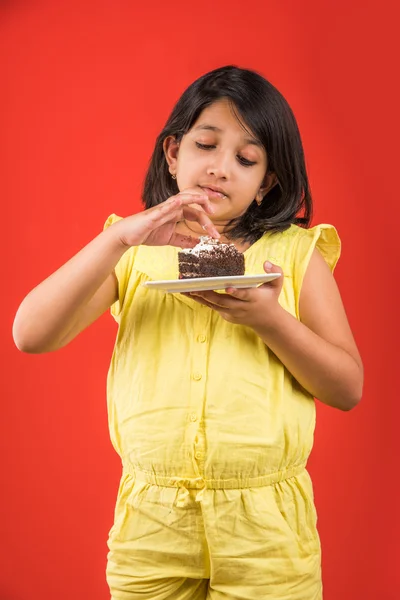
[123, 271]
[323, 237]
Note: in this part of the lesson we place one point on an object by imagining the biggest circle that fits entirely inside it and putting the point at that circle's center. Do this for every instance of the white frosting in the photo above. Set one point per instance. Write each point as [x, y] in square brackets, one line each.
[206, 243]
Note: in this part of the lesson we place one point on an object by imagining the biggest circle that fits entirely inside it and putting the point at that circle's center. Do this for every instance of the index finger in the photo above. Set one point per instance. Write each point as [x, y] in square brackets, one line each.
[200, 199]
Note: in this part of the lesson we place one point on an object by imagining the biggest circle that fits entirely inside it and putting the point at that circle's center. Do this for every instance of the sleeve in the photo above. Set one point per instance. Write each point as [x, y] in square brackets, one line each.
[123, 271]
[324, 238]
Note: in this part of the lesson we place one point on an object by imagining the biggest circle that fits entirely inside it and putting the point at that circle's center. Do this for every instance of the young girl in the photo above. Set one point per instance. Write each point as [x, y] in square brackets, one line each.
[211, 395]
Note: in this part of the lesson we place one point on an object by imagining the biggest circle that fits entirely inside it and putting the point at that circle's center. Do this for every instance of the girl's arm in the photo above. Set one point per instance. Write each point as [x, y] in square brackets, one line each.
[68, 301]
[319, 350]
[76, 294]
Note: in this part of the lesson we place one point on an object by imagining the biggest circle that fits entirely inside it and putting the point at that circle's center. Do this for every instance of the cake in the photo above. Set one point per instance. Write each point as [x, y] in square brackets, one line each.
[210, 258]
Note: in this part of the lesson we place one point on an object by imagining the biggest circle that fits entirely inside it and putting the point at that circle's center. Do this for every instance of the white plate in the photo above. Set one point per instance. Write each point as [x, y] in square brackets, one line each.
[201, 284]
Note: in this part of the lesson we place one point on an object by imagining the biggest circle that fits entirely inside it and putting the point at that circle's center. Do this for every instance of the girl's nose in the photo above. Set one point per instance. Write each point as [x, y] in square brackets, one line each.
[219, 167]
[217, 173]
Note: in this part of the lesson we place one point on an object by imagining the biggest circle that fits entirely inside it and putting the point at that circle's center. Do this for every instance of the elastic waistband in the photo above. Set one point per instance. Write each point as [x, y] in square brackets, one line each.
[198, 483]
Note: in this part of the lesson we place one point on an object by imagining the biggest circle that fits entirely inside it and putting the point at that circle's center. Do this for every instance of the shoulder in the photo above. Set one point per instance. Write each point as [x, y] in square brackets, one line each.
[319, 294]
[323, 236]
[113, 218]
[294, 247]
[325, 233]
[309, 245]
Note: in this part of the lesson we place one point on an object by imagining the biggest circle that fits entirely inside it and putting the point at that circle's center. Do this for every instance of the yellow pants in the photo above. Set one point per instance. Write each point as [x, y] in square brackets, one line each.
[196, 540]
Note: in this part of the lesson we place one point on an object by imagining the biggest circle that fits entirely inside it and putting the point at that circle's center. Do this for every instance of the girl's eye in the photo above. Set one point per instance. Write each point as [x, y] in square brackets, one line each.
[204, 146]
[243, 161]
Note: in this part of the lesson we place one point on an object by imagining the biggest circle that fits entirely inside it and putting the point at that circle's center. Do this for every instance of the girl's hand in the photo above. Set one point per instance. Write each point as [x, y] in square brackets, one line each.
[253, 307]
[156, 226]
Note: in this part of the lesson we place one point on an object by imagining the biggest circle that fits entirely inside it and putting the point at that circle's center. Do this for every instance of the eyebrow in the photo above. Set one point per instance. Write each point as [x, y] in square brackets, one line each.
[252, 141]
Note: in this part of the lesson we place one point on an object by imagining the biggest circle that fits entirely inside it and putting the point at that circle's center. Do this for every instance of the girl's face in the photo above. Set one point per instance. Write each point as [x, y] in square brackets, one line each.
[218, 154]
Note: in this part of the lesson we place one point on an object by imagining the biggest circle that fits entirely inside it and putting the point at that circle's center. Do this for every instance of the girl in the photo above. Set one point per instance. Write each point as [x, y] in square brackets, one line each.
[211, 395]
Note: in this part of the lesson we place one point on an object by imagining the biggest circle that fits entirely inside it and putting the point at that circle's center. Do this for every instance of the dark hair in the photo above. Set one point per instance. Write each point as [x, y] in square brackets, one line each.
[266, 112]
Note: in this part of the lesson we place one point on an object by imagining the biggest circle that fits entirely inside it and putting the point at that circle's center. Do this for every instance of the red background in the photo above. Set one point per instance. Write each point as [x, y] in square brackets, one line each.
[86, 87]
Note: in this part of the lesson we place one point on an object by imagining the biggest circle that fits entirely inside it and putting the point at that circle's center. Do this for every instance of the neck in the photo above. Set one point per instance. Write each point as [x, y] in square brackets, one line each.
[196, 229]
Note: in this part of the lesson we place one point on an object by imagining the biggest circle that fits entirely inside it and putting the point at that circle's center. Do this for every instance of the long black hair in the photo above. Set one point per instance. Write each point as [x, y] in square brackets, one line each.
[264, 110]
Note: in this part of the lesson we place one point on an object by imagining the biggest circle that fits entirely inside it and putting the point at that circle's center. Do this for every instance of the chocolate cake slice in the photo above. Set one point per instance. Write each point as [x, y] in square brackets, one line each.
[210, 258]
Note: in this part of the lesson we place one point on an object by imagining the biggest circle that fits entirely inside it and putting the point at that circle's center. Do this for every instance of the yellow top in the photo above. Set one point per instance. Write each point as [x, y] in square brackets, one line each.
[193, 396]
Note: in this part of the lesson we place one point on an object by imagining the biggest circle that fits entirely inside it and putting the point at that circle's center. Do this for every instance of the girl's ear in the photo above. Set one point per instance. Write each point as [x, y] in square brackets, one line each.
[171, 149]
[269, 182]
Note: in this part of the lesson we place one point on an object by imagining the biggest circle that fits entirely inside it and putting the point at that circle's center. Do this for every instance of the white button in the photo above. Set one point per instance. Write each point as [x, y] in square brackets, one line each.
[197, 376]
[202, 338]
[199, 455]
[193, 417]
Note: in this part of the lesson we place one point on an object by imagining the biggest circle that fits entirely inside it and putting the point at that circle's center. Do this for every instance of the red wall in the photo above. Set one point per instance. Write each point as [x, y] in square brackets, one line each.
[86, 87]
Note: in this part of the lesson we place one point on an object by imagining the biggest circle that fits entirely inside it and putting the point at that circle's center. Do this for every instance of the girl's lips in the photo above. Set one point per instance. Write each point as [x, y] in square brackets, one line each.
[213, 193]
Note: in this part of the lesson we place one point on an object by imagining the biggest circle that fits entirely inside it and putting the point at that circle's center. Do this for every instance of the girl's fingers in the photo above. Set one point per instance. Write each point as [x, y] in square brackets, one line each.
[244, 294]
[174, 213]
[166, 211]
[192, 214]
[217, 301]
[201, 199]
[180, 199]
[184, 199]
[180, 205]
[164, 215]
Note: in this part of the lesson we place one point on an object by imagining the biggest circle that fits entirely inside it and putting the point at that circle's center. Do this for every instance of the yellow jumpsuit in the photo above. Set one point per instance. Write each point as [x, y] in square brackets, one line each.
[214, 433]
